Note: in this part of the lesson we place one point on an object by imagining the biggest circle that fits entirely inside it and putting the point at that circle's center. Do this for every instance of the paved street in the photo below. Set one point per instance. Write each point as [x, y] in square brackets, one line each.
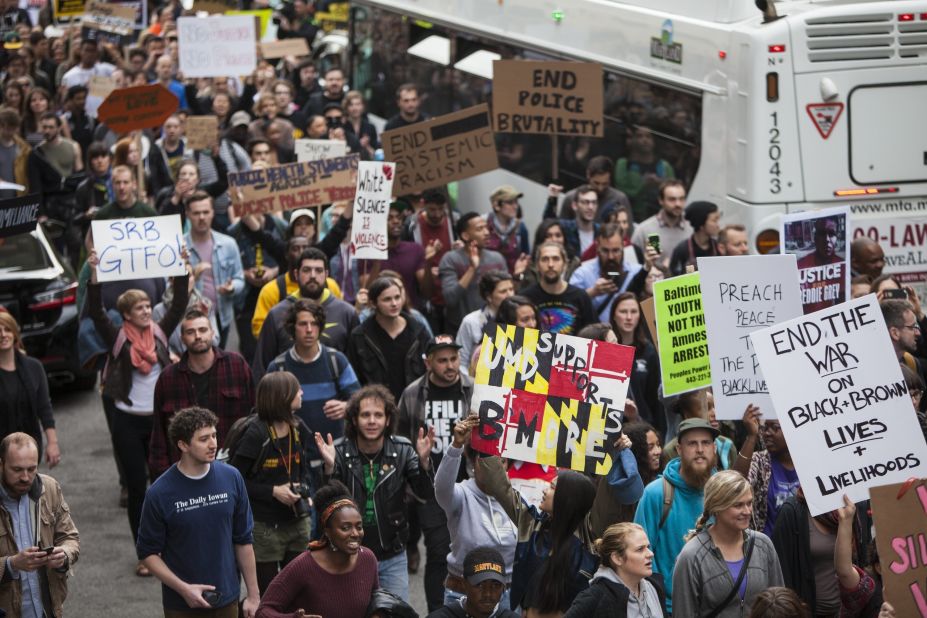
[104, 582]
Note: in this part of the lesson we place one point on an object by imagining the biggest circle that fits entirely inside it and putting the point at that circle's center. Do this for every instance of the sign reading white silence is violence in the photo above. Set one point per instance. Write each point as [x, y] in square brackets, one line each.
[843, 404]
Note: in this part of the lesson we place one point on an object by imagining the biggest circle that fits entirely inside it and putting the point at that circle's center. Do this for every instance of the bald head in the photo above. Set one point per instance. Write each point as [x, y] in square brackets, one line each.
[867, 257]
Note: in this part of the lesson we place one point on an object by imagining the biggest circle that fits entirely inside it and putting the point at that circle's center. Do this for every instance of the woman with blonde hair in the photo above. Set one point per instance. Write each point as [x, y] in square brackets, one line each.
[625, 584]
[724, 565]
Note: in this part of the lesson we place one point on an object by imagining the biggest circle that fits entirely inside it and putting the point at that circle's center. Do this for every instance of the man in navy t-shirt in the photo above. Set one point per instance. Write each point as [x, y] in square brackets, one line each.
[195, 531]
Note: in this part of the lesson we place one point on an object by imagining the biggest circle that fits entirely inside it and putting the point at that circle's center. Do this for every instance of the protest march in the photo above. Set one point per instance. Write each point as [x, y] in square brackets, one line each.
[442, 330]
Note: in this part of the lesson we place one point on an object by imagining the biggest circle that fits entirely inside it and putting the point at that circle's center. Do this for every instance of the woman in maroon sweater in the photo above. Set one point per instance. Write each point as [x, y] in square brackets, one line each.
[337, 576]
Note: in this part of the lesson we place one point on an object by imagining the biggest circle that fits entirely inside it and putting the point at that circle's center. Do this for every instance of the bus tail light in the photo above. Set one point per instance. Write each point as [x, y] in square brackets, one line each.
[906, 17]
[864, 191]
[766, 241]
[772, 87]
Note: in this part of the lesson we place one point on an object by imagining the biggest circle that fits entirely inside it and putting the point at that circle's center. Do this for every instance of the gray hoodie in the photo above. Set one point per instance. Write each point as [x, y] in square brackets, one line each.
[645, 606]
[473, 518]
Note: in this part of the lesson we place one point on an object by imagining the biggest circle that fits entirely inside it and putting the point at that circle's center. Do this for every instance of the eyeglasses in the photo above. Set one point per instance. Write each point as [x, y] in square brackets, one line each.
[914, 327]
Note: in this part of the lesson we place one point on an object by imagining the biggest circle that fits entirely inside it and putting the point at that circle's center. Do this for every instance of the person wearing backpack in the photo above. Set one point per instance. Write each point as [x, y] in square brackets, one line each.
[270, 453]
[324, 374]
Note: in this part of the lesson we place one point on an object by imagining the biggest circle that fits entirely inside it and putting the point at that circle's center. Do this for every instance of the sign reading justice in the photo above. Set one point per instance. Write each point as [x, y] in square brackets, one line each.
[550, 399]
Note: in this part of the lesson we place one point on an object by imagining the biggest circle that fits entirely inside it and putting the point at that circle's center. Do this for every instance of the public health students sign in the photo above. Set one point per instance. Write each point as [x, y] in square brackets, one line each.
[842, 402]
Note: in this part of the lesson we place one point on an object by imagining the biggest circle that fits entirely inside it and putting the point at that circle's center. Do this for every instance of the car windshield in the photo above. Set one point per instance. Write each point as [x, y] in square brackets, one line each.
[23, 252]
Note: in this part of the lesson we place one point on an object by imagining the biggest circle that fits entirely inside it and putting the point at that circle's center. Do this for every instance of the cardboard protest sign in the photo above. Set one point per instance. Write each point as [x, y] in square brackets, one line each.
[548, 97]
[821, 241]
[740, 295]
[138, 107]
[101, 86]
[315, 149]
[550, 399]
[843, 404]
[371, 208]
[650, 316]
[681, 336]
[108, 22]
[285, 47]
[202, 132]
[435, 152]
[294, 185]
[217, 46]
[18, 215]
[140, 248]
[215, 6]
[900, 517]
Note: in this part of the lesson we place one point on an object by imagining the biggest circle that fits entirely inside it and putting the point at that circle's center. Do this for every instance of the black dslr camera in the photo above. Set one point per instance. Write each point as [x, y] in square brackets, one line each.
[301, 507]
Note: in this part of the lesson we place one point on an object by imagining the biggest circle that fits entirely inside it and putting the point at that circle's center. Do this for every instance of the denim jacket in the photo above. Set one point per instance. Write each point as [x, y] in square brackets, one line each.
[226, 264]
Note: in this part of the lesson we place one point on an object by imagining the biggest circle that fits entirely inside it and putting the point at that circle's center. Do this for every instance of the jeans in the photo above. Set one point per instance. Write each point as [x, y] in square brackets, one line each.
[451, 596]
[433, 523]
[131, 435]
[394, 575]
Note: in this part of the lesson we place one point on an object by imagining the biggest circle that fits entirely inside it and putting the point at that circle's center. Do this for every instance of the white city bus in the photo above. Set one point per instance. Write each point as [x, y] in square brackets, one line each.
[811, 104]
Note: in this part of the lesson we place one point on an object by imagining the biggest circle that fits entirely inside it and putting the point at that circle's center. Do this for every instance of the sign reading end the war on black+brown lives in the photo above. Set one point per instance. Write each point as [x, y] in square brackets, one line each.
[438, 151]
[549, 98]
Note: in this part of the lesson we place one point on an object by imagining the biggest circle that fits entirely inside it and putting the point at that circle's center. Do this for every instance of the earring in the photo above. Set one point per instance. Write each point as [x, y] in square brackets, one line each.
[331, 545]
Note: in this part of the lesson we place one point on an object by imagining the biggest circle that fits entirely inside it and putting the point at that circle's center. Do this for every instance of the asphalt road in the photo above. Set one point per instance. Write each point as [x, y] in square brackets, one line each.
[104, 581]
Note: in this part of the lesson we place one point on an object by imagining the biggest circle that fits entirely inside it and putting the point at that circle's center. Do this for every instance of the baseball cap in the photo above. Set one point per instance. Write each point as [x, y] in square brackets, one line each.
[484, 563]
[696, 423]
[302, 212]
[11, 40]
[505, 193]
[240, 118]
[441, 341]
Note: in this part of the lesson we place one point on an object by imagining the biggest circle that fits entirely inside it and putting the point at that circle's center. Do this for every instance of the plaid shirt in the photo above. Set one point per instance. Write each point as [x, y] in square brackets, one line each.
[231, 396]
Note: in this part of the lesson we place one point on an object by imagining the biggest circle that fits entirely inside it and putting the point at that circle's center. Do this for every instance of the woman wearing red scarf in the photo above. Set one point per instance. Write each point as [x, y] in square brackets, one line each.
[138, 353]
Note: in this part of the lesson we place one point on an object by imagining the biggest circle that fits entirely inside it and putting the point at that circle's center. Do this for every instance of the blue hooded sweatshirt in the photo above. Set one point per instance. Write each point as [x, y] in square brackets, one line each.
[668, 541]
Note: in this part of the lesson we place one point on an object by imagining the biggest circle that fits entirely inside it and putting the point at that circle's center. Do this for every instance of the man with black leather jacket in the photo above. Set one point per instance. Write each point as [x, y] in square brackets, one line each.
[378, 468]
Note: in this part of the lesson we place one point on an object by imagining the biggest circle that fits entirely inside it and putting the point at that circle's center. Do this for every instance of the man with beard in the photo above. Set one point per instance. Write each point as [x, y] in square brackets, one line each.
[599, 179]
[607, 275]
[437, 400]
[404, 257]
[905, 333]
[325, 376]
[310, 272]
[672, 503]
[733, 240]
[564, 308]
[823, 271]
[206, 376]
[669, 224]
[379, 468]
[578, 231]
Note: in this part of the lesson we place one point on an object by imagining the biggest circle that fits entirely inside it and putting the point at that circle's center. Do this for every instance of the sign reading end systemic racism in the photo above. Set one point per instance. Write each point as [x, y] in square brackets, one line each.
[140, 248]
[549, 98]
[681, 334]
[743, 294]
[138, 107]
[435, 152]
[371, 208]
[550, 399]
[821, 241]
[899, 513]
[18, 215]
[842, 402]
[294, 185]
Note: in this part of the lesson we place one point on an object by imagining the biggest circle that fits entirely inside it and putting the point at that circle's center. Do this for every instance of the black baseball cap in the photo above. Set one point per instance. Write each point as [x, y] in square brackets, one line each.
[442, 341]
[484, 563]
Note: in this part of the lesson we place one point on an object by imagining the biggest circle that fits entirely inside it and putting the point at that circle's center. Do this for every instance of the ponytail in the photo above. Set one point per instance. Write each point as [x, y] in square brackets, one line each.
[699, 525]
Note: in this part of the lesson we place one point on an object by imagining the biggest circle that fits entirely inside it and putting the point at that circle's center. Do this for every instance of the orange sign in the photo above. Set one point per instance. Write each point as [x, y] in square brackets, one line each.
[138, 107]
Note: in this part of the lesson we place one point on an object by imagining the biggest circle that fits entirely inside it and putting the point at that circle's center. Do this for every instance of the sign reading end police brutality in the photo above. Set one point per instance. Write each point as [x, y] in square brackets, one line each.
[371, 209]
[217, 46]
[740, 295]
[139, 248]
[549, 98]
[551, 399]
[438, 151]
[842, 402]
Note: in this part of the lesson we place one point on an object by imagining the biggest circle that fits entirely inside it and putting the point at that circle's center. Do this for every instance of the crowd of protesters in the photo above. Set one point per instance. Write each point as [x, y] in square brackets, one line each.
[337, 391]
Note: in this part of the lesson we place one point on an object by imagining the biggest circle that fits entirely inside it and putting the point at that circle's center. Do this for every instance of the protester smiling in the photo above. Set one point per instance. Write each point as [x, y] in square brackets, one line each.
[724, 565]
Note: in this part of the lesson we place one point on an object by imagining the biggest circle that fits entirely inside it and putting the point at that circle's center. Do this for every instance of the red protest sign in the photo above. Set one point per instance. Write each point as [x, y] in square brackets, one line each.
[138, 107]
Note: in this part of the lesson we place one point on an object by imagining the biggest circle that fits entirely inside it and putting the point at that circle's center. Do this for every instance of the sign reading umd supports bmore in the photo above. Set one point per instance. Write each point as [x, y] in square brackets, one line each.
[139, 248]
[294, 185]
[740, 295]
[842, 402]
[551, 399]
[438, 151]
[681, 334]
[548, 97]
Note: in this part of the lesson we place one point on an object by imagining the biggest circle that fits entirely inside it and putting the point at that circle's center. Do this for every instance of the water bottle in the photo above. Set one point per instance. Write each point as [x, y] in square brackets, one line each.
[378, 155]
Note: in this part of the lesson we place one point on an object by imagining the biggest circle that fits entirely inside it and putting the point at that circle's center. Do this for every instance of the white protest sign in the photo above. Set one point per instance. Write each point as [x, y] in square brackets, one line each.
[371, 208]
[140, 248]
[317, 149]
[740, 295]
[843, 404]
[217, 46]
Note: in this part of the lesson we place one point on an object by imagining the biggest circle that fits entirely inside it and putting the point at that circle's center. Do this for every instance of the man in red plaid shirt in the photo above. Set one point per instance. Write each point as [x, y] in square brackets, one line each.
[206, 376]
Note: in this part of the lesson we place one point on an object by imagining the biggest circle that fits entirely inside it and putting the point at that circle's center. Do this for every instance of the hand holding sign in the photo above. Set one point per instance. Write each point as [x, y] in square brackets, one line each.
[463, 428]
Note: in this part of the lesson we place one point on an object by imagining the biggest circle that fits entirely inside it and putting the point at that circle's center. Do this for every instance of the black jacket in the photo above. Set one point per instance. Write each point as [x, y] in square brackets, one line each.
[399, 467]
[607, 599]
[31, 374]
[368, 361]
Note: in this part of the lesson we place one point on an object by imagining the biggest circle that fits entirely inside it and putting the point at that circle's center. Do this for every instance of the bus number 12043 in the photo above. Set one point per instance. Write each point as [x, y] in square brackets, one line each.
[775, 153]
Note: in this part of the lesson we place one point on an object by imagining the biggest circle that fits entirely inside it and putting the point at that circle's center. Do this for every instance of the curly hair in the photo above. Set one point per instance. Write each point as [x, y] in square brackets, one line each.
[371, 391]
[187, 422]
[301, 305]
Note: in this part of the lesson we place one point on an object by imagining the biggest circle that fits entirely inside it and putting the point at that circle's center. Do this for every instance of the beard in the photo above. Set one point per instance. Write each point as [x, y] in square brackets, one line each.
[311, 290]
[694, 475]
